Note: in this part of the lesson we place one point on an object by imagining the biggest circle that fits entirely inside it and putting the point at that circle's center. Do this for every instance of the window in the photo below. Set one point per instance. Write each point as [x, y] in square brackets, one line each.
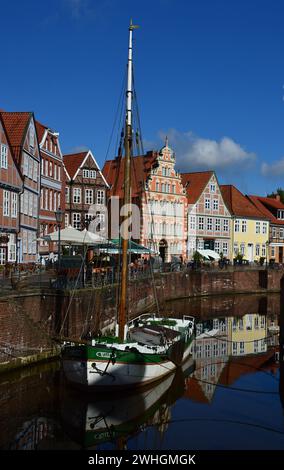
[76, 220]
[212, 188]
[32, 136]
[209, 223]
[163, 187]
[263, 250]
[244, 226]
[25, 241]
[46, 167]
[35, 171]
[264, 228]
[280, 214]
[67, 194]
[207, 203]
[4, 156]
[157, 186]
[30, 204]
[26, 203]
[273, 232]
[226, 225]
[242, 248]
[242, 347]
[30, 160]
[236, 249]
[46, 199]
[59, 173]
[215, 204]
[86, 173]
[235, 347]
[6, 203]
[50, 146]
[257, 250]
[41, 199]
[93, 174]
[225, 248]
[89, 196]
[14, 205]
[200, 223]
[173, 188]
[192, 222]
[217, 225]
[66, 220]
[77, 195]
[35, 206]
[257, 227]
[281, 233]
[100, 196]
[217, 247]
[55, 171]
[12, 248]
[50, 168]
[54, 201]
[50, 200]
[237, 225]
[272, 251]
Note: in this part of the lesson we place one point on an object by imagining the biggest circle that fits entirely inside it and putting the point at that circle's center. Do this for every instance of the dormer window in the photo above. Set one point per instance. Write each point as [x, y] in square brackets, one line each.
[280, 214]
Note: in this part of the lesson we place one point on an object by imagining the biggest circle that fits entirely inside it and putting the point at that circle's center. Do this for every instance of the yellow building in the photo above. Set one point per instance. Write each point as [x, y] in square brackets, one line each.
[250, 228]
[247, 334]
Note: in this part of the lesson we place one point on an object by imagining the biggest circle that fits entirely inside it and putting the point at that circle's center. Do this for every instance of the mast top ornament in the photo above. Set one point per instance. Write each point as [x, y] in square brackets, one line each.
[132, 26]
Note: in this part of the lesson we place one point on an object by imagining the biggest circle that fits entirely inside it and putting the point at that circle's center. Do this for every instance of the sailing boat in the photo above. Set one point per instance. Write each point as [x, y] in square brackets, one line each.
[145, 349]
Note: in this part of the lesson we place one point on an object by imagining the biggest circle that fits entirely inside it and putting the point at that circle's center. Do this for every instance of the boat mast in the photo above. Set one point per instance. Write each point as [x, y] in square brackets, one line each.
[127, 194]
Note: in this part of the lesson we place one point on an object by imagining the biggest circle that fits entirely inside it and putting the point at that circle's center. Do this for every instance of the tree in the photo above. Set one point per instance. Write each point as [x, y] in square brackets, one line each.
[279, 192]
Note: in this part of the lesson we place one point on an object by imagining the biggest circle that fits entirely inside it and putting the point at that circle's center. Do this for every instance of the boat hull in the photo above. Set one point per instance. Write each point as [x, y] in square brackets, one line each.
[108, 368]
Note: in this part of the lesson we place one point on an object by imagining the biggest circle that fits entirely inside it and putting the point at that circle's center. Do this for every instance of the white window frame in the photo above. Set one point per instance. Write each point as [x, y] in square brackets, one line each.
[89, 196]
[77, 195]
[100, 196]
[6, 203]
[4, 156]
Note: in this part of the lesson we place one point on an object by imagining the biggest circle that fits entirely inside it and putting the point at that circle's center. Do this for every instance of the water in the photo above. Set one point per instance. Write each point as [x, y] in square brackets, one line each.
[226, 397]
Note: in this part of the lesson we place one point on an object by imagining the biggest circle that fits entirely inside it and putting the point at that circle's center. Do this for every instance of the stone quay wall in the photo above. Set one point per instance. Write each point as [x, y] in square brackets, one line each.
[30, 319]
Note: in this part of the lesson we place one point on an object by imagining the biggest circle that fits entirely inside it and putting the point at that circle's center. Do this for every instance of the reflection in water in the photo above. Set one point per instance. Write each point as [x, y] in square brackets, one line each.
[230, 397]
[91, 419]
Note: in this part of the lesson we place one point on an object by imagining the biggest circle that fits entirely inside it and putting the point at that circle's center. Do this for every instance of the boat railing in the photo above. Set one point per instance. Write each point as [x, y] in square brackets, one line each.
[144, 316]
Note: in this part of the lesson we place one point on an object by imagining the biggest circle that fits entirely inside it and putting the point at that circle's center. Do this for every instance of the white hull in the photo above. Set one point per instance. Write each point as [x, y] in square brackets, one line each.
[118, 375]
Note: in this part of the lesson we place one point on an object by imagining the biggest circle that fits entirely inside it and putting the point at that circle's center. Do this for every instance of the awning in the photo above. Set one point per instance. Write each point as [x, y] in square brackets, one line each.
[115, 247]
[209, 254]
[71, 236]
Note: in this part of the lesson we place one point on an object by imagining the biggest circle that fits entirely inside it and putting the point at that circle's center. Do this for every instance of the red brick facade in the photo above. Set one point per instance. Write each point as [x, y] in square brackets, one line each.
[10, 187]
[52, 192]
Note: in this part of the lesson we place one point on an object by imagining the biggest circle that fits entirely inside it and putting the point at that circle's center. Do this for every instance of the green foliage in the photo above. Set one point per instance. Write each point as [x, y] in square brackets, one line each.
[279, 192]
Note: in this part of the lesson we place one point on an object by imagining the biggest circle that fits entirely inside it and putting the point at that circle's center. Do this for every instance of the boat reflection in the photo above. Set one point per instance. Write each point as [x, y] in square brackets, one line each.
[94, 419]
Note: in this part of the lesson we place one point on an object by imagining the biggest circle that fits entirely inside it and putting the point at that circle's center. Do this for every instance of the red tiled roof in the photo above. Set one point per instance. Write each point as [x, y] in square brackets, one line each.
[40, 128]
[238, 204]
[238, 366]
[73, 161]
[15, 124]
[195, 184]
[264, 203]
[113, 172]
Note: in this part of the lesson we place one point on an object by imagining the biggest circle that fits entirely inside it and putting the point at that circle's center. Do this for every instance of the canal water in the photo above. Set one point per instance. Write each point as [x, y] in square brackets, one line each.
[229, 395]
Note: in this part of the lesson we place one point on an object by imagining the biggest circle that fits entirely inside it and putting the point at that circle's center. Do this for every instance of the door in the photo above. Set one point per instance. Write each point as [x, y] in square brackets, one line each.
[250, 252]
[280, 254]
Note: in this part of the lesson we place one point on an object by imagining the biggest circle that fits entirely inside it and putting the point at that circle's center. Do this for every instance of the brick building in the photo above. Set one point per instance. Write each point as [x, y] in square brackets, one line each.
[158, 192]
[11, 185]
[22, 135]
[52, 192]
[85, 190]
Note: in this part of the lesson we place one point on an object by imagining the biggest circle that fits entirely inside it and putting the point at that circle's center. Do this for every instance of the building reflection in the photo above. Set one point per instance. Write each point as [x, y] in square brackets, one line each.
[228, 347]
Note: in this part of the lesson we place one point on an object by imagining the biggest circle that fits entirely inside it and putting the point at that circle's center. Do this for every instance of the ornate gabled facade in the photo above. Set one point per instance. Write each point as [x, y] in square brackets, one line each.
[11, 185]
[209, 220]
[158, 192]
[85, 190]
[52, 192]
[22, 135]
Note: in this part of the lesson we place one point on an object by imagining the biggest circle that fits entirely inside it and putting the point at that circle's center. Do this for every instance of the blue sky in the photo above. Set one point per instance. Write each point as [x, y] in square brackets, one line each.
[209, 74]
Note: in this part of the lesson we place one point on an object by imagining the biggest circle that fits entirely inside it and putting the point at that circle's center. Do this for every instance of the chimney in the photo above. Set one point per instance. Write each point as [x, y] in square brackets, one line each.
[277, 197]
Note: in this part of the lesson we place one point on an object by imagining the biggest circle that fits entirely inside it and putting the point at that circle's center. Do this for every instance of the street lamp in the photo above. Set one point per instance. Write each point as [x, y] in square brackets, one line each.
[59, 219]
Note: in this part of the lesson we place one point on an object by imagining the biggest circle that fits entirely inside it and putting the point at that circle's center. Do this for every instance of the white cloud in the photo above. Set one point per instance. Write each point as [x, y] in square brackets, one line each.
[276, 169]
[197, 153]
